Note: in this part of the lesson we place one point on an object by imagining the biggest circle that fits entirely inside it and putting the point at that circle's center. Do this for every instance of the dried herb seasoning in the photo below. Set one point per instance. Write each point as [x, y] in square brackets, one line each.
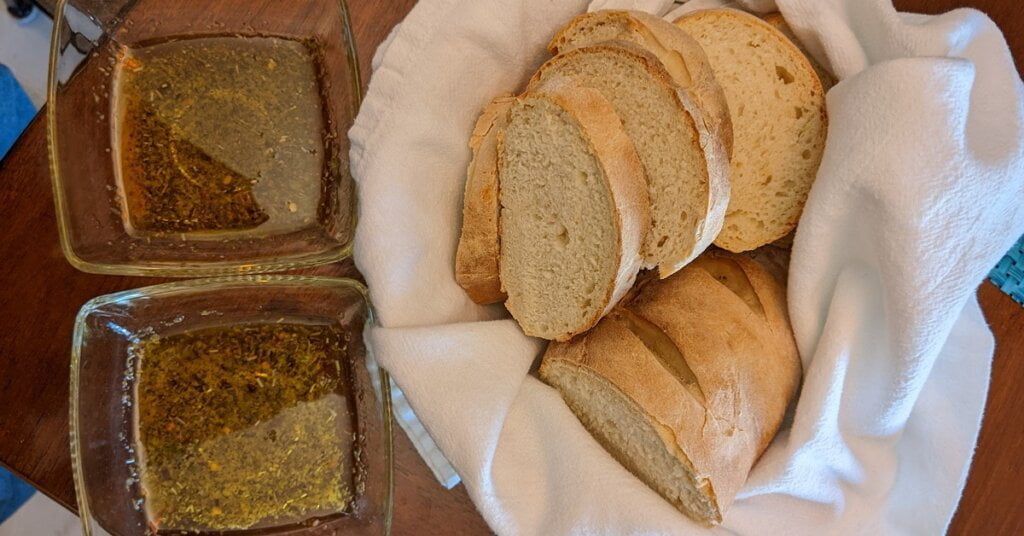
[220, 134]
[245, 426]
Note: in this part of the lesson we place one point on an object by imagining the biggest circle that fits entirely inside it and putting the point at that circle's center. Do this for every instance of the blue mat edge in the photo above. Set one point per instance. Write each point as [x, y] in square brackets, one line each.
[16, 110]
[1008, 275]
[13, 494]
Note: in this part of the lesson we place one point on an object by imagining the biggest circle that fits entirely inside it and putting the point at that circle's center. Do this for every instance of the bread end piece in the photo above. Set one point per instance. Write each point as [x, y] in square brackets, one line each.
[642, 445]
[688, 382]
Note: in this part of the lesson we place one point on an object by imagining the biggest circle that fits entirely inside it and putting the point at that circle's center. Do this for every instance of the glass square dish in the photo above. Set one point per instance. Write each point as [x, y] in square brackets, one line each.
[207, 140]
[189, 414]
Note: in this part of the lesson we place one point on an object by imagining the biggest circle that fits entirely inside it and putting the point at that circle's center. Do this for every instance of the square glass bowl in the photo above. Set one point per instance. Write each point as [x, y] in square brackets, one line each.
[207, 139]
[117, 490]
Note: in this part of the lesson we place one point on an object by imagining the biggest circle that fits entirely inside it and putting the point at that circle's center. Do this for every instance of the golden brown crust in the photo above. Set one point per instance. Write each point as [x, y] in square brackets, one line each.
[716, 199]
[740, 349]
[477, 256]
[826, 78]
[615, 153]
[682, 56]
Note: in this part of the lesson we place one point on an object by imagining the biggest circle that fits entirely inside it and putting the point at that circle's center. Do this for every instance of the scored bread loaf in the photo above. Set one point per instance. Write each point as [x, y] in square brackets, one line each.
[687, 383]
[824, 75]
[682, 57]
[685, 166]
[476, 259]
[779, 123]
[574, 209]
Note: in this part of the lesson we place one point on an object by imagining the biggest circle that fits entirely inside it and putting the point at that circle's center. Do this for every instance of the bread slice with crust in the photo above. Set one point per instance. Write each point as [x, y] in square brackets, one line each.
[476, 259]
[574, 209]
[682, 57]
[684, 163]
[779, 123]
[688, 382]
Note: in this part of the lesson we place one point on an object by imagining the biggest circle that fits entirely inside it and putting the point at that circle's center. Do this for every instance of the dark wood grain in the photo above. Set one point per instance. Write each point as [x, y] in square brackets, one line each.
[993, 502]
[41, 293]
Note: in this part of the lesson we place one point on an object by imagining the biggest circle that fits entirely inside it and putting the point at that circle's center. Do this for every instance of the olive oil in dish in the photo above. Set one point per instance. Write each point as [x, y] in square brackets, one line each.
[222, 134]
[246, 426]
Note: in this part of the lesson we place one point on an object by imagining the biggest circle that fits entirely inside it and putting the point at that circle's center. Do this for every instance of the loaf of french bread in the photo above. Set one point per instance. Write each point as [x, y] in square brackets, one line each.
[687, 382]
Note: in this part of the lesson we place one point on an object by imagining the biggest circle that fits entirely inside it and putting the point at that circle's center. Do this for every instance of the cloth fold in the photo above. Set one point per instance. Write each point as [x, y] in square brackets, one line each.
[918, 195]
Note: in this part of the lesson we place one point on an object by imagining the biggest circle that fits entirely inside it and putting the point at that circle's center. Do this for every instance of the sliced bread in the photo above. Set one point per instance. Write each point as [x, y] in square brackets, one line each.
[688, 382]
[682, 57]
[824, 75]
[685, 166]
[779, 123]
[476, 259]
[574, 210]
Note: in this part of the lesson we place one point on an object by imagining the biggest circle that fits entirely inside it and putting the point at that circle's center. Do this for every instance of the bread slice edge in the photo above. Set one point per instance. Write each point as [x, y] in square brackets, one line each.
[478, 252]
[681, 56]
[709, 146]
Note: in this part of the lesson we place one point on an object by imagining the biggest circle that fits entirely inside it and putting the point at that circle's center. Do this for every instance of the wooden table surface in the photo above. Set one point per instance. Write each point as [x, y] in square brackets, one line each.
[41, 293]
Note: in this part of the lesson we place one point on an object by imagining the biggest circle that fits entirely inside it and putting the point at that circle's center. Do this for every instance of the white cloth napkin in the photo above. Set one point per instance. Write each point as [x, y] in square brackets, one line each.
[919, 193]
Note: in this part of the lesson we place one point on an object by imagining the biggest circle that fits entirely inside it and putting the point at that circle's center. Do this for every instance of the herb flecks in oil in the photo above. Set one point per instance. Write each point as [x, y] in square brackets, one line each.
[220, 134]
[245, 426]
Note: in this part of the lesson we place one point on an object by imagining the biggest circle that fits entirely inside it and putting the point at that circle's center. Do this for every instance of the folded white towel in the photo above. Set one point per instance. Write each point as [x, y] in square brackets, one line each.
[918, 195]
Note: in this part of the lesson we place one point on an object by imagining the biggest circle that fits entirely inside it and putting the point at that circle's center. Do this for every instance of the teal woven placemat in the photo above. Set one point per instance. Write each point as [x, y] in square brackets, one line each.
[1008, 275]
